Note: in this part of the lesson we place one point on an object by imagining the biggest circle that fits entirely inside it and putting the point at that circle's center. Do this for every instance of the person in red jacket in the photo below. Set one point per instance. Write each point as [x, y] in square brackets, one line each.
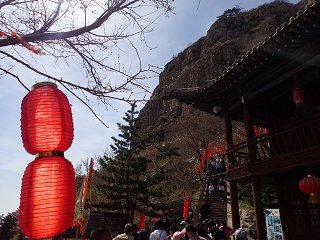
[228, 230]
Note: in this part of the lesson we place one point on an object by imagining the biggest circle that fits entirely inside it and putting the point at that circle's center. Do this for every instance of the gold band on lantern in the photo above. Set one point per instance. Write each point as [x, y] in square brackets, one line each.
[50, 154]
[41, 84]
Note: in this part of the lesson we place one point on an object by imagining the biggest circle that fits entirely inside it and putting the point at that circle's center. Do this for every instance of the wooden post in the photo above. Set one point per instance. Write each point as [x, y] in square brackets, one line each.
[282, 209]
[249, 128]
[258, 207]
[132, 213]
[233, 183]
[234, 204]
[256, 188]
[228, 127]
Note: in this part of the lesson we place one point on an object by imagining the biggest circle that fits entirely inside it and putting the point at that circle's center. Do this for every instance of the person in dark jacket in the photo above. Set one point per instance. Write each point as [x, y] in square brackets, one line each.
[205, 210]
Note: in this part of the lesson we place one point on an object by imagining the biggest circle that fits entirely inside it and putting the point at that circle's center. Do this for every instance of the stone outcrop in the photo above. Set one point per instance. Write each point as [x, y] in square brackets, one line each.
[227, 40]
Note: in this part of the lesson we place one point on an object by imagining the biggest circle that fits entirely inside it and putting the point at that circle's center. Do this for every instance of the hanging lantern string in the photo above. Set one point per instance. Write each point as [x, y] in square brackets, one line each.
[295, 79]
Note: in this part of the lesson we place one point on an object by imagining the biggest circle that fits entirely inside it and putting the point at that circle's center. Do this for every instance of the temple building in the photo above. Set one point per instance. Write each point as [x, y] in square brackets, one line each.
[276, 87]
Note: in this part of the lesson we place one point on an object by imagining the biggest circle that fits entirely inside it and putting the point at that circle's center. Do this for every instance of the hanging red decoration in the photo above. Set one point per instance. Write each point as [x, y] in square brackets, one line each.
[141, 225]
[255, 130]
[311, 185]
[298, 97]
[142, 216]
[46, 120]
[185, 209]
[185, 216]
[48, 185]
[47, 197]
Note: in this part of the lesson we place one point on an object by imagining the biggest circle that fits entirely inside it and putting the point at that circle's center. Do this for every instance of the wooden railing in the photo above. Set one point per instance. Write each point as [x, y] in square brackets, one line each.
[291, 138]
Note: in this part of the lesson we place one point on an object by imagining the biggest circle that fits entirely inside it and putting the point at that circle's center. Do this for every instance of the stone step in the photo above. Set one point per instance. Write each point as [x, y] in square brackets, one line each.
[218, 207]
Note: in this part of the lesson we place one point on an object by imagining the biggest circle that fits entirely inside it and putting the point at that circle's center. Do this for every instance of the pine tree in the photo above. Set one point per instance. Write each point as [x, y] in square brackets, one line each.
[8, 228]
[125, 176]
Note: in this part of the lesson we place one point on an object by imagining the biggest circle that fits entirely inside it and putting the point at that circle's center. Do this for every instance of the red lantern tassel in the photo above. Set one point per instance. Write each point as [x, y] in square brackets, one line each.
[314, 198]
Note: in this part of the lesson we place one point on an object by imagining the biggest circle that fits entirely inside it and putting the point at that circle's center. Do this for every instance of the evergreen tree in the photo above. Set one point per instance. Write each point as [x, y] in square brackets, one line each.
[8, 228]
[125, 176]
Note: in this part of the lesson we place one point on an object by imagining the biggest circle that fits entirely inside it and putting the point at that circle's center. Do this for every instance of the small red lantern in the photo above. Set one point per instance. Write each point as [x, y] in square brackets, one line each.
[48, 184]
[142, 216]
[185, 209]
[311, 185]
[185, 215]
[298, 97]
[141, 225]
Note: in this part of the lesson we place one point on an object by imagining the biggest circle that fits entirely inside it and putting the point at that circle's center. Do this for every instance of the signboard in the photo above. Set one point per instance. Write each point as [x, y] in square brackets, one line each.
[114, 221]
[274, 229]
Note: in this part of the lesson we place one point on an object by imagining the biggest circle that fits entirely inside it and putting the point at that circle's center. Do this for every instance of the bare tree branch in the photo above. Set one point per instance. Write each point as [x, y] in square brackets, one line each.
[15, 76]
[82, 31]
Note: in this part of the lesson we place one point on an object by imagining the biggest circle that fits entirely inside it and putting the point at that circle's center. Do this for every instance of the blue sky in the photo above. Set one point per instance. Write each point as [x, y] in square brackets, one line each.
[171, 36]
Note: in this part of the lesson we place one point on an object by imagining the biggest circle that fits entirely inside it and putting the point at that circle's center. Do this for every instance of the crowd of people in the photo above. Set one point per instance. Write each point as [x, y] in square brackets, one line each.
[206, 230]
[216, 176]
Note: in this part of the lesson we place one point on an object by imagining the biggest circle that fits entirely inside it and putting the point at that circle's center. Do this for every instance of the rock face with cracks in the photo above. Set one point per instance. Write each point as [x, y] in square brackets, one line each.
[227, 40]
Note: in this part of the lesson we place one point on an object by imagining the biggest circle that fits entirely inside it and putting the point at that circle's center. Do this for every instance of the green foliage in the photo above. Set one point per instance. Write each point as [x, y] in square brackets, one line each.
[269, 197]
[8, 229]
[244, 204]
[125, 175]
[245, 194]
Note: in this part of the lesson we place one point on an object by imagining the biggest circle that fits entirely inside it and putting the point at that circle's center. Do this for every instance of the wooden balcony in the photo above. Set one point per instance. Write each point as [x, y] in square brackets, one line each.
[293, 146]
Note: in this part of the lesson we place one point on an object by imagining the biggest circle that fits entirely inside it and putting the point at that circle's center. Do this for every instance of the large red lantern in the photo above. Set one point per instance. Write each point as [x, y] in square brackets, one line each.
[48, 185]
[47, 202]
[298, 97]
[311, 185]
[46, 120]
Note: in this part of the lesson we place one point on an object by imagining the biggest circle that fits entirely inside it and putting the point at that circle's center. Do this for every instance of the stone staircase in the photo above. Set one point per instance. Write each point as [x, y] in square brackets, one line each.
[218, 207]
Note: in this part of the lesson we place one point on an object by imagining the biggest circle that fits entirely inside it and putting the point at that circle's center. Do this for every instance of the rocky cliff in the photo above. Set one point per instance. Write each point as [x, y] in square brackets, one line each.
[230, 37]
